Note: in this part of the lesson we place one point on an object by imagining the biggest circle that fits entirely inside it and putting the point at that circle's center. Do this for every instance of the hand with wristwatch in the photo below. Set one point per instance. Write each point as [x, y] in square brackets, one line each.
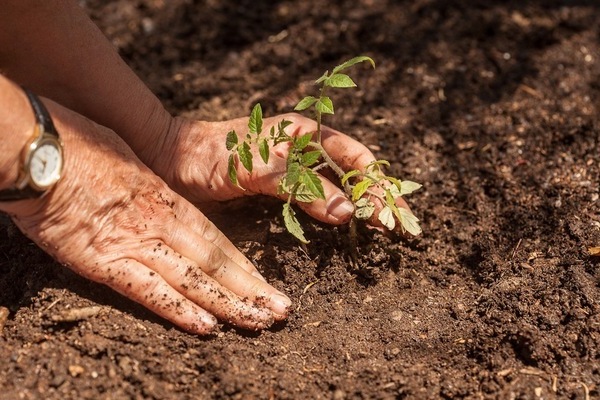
[107, 177]
[41, 160]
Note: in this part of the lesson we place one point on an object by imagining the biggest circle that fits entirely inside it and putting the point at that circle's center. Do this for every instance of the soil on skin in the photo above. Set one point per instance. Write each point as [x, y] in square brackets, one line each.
[493, 106]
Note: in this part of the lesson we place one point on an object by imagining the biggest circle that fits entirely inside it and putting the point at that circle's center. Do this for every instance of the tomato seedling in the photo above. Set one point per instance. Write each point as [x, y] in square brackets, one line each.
[307, 156]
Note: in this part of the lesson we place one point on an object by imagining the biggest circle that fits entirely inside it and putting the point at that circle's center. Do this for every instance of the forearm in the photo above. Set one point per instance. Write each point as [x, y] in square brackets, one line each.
[16, 128]
[56, 50]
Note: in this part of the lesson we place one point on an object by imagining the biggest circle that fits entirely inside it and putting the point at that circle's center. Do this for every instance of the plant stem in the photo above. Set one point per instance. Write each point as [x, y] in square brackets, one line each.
[319, 115]
[331, 164]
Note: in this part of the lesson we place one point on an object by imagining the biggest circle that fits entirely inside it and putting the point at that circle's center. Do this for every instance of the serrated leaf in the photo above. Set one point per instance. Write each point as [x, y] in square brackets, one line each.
[301, 142]
[312, 182]
[231, 141]
[311, 157]
[305, 103]
[284, 124]
[263, 150]
[409, 222]
[303, 194]
[407, 187]
[231, 171]
[386, 217]
[360, 188]
[340, 81]
[364, 209]
[292, 175]
[324, 105]
[245, 156]
[349, 175]
[255, 123]
[351, 62]
[292, 224]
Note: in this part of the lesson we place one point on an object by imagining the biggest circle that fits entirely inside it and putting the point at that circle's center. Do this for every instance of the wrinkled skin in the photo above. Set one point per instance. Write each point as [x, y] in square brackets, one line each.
[207, 181]
[129, 222]
[114, 221]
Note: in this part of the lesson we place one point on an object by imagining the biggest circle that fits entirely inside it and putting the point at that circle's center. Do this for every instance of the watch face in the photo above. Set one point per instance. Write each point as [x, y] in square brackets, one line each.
[45, 164]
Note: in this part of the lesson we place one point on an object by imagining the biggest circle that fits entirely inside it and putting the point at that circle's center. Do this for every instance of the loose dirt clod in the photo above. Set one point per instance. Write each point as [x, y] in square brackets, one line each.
[76, 314]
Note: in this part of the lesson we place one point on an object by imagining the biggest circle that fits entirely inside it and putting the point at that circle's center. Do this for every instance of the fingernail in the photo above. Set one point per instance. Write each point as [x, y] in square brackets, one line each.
[280, 304]
[340, 207]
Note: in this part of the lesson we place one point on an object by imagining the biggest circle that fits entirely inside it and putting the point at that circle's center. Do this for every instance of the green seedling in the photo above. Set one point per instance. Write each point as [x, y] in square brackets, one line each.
[307, 156]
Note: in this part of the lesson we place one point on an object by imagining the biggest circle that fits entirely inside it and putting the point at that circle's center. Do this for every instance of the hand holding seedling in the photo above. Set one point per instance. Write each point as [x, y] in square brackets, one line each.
[375, 196]
[121, 214]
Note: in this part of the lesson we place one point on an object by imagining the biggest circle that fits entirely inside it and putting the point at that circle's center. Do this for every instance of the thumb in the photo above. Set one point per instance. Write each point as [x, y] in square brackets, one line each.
[335, 209]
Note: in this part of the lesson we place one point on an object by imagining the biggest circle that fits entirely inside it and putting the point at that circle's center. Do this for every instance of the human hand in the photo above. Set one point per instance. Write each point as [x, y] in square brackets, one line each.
[193, 160]
[113, 221]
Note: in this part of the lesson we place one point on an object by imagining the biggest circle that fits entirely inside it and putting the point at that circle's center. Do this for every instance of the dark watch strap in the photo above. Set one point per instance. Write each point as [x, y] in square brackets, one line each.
[41, 117]
[19, 194]
[41, 113]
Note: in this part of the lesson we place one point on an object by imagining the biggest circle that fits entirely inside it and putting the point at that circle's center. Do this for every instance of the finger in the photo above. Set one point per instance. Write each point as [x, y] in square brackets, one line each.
[187, 277]
[348, 153]
[190, 218]
[334, 209]
[139, 283]
[217, 265]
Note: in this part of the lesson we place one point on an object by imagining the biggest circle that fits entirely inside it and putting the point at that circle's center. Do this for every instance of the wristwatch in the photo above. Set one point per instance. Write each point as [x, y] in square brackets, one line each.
[41, 160]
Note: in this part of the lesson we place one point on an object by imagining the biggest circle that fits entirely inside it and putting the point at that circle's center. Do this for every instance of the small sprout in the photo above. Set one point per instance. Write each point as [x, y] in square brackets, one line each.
[306, 156]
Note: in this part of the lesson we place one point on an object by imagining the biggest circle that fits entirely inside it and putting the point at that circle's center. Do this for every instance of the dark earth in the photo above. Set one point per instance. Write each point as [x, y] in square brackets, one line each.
[493, 106]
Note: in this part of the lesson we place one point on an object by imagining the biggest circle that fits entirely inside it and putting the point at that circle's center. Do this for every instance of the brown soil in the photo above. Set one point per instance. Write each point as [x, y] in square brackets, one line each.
[492, 105]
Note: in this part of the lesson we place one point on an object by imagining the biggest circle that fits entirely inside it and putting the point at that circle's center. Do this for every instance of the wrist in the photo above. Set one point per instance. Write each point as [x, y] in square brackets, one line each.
[17, 126]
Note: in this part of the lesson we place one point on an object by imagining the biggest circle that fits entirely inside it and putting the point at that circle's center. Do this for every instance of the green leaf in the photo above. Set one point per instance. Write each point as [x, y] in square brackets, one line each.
[305, 103]
[301, 142]
[340, 81]
[351, 62]
[292, 175]
[303, 194]
[387, 218]
[407, 187]
[409, 222]
[395, 181]
[255, 122]
[231, 171]
[377, 163]
[263, 149]
[245, 156]
[281, 135]
[311, 157]
[322, 78]
[349, 175]
[231, 141]
[394, 191]
[312, 182]
[284, 124]
[292, 224]
[389, 198]
[364, 209]
[361, 188]
[324, 105]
